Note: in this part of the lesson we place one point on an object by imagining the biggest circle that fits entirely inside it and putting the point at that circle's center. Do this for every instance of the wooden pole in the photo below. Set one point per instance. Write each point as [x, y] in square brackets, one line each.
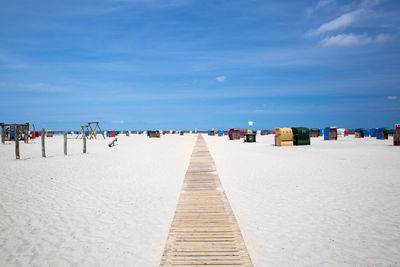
[65, 143]
[26, 131]
[84, 142]
[3, 134]
[43, 145]
[16, 139]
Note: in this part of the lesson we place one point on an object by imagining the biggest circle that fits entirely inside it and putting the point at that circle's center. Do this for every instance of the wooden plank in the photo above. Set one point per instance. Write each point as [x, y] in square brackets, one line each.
[204, 230]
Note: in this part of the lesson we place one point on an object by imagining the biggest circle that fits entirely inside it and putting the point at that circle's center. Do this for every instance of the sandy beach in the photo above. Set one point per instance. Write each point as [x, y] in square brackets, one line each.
[110, 207]
[334, 203]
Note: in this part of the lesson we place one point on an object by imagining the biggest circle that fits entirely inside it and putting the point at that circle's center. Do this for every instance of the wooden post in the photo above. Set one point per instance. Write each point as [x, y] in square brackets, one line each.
[3, 134]
[26, 131]
[84, 142]
[16, 139]
[43, 145]
[65, 143]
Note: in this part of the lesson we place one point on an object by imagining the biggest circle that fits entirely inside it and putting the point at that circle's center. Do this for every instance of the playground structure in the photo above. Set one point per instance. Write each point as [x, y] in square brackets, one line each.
[14, 131]
[90, 131]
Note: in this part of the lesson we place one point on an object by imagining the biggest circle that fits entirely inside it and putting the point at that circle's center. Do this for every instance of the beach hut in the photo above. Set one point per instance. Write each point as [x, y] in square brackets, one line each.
[330, 133]
[359, 133]
[220, 133]
[34, 134]
[243, 132]
[372, 132]
[49, 134]
[153, 134]
[314, 132]
[346, 132]
[396, 137]
[301, 136]
[211, 132]
[340, 131]
[382, 133]
[250, 138]
[283, 137]
[111, 133]
[234, 134]
[180, 132]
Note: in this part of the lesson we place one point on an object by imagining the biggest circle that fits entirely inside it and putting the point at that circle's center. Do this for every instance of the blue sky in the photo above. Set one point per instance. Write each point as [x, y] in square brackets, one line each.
[145, 64]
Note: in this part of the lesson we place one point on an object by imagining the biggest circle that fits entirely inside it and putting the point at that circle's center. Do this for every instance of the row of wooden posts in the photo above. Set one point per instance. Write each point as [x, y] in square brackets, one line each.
[43, 133]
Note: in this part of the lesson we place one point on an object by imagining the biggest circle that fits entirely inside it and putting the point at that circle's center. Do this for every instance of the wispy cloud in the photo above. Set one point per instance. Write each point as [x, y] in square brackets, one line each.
[320, 4]
[220, 79]
[323, 3]
[11, 62]
[156, 3]
[353, 39]
[34, 87]
[345, 20]
[392, 97]
[341, 22]
[117, 122]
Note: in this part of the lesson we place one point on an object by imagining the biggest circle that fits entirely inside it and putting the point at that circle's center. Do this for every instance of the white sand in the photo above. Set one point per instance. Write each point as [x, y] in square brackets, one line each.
[110, 207]
[334, 203]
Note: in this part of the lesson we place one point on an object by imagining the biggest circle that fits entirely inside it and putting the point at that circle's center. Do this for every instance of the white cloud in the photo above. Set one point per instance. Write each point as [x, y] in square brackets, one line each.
[370, 3]
[323, 3]
[117, 122]
[34, 87]
[341, 22]
[157, 3]
[320, 4]
[392, 97]
[353, 39]
[345, 20]
[220, 79]
[11, 62]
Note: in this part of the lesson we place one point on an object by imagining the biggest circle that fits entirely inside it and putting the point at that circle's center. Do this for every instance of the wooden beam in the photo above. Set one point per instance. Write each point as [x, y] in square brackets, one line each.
[84, 142]
[16, 139]
[43, 133]
[3, 133]
[65, 143]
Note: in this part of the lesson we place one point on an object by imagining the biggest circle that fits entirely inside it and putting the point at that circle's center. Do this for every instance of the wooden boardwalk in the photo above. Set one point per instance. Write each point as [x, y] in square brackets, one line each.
[204, 230]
